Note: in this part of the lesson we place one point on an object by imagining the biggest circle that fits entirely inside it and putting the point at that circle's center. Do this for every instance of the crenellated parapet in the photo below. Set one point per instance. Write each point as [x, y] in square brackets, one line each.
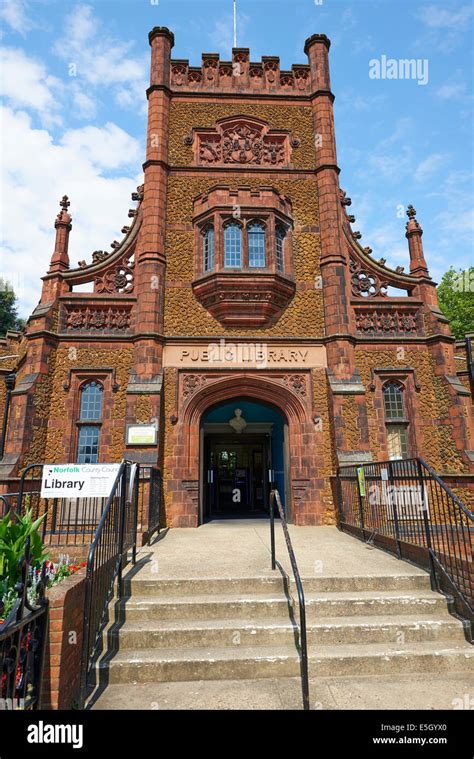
[240, 75]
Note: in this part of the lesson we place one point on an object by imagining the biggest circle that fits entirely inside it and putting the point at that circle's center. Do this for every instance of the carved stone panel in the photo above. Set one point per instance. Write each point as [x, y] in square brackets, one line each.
[243, 141]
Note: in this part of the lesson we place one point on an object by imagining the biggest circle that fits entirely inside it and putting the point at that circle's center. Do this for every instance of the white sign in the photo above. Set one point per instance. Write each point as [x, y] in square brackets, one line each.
[142, 434]
[78, 480]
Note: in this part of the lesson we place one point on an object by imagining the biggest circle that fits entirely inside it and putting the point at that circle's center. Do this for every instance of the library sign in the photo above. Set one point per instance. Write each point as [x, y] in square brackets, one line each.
[78, 480]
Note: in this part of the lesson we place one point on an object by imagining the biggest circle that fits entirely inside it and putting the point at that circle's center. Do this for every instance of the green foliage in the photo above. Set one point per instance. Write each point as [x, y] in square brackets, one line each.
[9, 319]
[456, 300]
[13, 537]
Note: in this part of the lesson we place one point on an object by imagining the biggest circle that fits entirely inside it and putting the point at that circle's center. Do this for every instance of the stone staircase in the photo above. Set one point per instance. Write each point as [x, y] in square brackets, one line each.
[234, 628]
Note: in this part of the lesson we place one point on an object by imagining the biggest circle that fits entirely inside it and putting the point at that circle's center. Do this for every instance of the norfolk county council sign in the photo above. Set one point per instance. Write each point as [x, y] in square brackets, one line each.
[78, 480]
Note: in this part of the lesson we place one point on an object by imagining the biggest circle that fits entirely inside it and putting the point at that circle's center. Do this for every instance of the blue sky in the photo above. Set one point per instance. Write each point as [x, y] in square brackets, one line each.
[73, 81]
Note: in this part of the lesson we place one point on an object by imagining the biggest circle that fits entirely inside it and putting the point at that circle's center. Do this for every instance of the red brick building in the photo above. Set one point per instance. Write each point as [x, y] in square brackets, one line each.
[239, 326]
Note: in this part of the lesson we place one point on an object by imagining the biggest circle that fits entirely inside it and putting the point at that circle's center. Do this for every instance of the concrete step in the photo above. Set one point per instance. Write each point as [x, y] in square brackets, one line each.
[378, 603]
[256, 606]
[177, 664]
[146, 583]
[426, 691]
[138, 634]
[227, 606]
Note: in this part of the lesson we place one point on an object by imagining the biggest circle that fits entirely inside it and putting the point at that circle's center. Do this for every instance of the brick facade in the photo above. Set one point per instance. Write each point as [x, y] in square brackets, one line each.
[231, 142]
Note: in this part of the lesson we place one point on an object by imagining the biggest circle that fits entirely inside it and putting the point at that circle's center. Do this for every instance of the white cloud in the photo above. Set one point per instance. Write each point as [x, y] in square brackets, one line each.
[222, 33]
[451, 91]
[101, 61]
[107, 147]
[14, 13]
[429, 166]
[443, 27]
[37, 170]
[437, 17]
[26, 83]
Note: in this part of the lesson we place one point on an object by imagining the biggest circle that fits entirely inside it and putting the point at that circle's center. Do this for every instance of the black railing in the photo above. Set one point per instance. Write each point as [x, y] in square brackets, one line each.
[149, 502]
[68, 521]
[116, 535]
[23, 642]
[275, 498]
[405, 507]
[7, 502]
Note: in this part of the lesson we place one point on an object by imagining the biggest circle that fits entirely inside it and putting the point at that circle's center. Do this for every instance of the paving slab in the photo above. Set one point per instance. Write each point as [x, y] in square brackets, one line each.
[426, 692]
[241, 548]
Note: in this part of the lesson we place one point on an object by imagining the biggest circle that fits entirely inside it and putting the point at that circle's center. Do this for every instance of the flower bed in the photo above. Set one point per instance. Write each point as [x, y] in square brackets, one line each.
[65, 582]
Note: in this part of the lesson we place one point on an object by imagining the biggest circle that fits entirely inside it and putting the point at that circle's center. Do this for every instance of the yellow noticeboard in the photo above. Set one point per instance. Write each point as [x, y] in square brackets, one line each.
[361, 479]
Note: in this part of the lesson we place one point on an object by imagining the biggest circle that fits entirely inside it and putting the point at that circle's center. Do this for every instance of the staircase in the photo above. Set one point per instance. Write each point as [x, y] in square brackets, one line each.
[233, 628]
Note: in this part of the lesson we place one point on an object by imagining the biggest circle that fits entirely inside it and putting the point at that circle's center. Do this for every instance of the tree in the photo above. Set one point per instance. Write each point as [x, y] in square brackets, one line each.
[8, 314]
[456, 299]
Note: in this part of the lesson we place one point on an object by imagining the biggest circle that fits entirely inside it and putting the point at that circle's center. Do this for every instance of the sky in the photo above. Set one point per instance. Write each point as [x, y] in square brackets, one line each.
[73, 77]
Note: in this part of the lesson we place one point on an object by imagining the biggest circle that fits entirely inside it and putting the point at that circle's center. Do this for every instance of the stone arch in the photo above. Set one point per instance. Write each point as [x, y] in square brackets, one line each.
[184, 464]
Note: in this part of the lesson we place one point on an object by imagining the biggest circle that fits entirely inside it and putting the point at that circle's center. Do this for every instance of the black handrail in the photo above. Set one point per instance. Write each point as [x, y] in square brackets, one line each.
[115, 535]
[275, 496]
[408, 505]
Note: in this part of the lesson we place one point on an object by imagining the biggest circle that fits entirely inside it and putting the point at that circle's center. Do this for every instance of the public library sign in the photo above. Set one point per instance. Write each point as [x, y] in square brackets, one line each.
[228, 354]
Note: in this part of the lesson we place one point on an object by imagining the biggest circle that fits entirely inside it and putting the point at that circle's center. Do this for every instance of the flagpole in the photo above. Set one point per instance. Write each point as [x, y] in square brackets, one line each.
[235, 23]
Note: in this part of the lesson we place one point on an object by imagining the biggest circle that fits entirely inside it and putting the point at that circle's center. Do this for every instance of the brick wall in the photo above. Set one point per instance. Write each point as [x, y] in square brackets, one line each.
[61, 678]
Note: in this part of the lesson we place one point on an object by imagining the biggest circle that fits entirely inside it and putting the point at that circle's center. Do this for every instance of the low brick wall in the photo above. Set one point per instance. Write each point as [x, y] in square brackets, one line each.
[61, 678]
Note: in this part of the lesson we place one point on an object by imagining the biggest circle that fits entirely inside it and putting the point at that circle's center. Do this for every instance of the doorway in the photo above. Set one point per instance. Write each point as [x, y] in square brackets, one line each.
[244, 452]
[237, 474]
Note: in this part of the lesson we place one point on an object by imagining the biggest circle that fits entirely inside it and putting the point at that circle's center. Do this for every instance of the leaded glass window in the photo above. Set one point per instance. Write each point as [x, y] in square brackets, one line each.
[88, 444]
[89, 434]
[279, 257]
[256, 243]
[397, 434]
[233, 246]
[208, 249]
[393, 401]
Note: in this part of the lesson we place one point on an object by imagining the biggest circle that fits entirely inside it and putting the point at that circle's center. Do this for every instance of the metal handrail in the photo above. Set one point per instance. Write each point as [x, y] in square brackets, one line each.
[433, 521]
[275, 496]
[105, 564]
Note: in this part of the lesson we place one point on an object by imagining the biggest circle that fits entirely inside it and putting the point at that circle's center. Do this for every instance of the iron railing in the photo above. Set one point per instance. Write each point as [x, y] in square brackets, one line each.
[116, 535]
[275, 498]
[149, 502]
[7, 501]
[405, 507]
[23, 642]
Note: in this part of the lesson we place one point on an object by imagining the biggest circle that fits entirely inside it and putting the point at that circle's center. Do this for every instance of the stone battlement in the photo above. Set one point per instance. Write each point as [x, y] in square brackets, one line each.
[240, 74]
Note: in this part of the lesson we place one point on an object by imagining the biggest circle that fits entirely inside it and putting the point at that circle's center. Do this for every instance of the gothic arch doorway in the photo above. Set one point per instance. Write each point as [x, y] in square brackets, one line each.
[290, 394]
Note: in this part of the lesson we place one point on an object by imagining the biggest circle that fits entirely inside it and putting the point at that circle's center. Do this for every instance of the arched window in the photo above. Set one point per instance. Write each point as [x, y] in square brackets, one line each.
[280, 235]
[208, 248]
[233, 246]
[90, 416]
[256, 243]
[396, 423]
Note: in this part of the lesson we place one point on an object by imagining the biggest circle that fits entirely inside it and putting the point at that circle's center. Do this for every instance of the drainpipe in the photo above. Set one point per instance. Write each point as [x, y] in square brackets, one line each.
[10, 384]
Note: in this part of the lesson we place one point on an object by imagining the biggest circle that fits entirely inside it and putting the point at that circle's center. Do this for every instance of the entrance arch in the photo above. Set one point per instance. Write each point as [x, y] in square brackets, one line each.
[196, 394]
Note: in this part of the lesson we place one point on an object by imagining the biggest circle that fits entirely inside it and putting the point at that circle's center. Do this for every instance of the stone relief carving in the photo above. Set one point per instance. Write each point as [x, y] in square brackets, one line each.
[78, 318]
[365, 284]
[118, 279]
[244, 142]
[382, 322]
[296, 383]
[192, 383]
